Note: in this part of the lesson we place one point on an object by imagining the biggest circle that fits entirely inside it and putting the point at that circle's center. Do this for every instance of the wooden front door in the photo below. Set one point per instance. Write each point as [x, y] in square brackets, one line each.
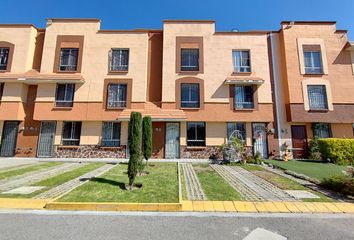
[299, 139]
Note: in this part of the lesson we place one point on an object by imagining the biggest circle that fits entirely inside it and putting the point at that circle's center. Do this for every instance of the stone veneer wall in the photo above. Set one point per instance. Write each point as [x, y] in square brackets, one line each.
[201, 153]
[89, 151]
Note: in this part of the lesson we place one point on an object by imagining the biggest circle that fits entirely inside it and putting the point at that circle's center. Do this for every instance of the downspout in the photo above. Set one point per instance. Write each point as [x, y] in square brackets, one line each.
[276, 96]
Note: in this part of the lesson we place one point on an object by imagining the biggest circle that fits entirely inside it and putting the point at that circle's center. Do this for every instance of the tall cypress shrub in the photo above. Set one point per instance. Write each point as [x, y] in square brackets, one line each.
[147, 137]
[134, 141]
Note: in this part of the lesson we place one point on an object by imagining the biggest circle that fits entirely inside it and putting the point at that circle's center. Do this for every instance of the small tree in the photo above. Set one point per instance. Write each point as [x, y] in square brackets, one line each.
[134, 141]
[147, 137]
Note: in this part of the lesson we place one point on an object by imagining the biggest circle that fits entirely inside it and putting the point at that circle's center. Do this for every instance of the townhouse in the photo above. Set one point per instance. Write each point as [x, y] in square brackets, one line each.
[68, 90]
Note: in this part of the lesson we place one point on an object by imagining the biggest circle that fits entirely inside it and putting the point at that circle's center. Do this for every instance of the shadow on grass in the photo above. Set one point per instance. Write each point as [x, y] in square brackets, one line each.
[107, 181]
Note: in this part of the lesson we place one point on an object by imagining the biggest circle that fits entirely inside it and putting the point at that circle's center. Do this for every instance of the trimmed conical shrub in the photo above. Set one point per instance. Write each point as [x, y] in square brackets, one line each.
[147, 137]
[134, 141]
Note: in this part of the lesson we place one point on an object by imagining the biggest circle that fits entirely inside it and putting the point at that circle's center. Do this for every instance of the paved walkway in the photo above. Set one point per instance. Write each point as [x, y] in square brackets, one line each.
[70, 185]
[39, 176]
[252, 187]
[16, 177]
[192, 184]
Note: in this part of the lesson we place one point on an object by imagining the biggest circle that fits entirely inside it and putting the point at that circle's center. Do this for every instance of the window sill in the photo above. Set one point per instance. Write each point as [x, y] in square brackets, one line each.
[314, 74]
[191, 108]
[244, 109]
[115, 108]
[196, 148]
[111, 148]
[61, 108]
[68, 147]
[189, 72]
[241, 73]
[67, 71]
[4, 71]
[319, 110]
[118, 72]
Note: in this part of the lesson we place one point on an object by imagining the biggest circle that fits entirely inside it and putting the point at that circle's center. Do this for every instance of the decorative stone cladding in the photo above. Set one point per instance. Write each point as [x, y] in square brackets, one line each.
[89, 151]
[201, 152]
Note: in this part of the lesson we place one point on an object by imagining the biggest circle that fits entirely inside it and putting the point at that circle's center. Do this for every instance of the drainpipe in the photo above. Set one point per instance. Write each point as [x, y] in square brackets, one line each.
[276, 96]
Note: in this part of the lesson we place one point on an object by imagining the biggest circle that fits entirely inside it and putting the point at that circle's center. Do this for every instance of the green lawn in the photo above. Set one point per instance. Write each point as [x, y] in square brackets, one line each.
[213, 185]
[160, 186]
[317, 170]
[31, 168]
[56, 180]
[287, 184]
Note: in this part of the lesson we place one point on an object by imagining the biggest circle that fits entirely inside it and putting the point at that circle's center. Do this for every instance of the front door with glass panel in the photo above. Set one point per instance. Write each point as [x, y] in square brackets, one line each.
[46, 139]
[172, 141]
[260, 139]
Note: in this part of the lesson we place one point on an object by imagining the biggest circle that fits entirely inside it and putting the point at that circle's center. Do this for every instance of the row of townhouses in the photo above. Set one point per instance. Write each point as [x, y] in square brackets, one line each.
[68, 90]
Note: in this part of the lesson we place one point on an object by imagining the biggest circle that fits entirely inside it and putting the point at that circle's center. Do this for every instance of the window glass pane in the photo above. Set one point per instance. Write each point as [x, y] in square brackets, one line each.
[317, 97]
[190, 95]
[117, 95]
[64, 95]
[189, 59]
[312, 61]
[68, 59]
[71, 133]
[120, 59]
[244, 97]
[196, 134]
[322, 130]
[111, 134]
[237, 129]
[4, 55]
[241, 60]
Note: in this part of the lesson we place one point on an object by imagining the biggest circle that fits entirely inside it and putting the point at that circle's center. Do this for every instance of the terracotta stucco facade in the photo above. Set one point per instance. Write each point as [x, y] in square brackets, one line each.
[154, 78]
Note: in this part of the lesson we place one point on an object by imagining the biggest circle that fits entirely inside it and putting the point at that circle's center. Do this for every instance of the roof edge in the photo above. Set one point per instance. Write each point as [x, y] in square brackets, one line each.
[309, 22]
[187, 21]
[73, 19]
[18, 25]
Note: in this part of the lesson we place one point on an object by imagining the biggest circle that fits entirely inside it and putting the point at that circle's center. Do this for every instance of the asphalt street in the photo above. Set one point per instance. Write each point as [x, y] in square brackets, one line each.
[55, 225]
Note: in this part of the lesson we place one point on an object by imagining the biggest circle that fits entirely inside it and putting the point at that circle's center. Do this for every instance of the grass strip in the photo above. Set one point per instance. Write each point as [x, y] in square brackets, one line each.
[213, 185]
[159, 186]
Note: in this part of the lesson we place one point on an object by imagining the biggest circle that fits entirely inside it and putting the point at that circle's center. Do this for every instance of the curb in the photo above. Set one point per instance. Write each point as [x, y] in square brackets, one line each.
[20, 203]
[153, 207]
[184, 206]
[211, 206]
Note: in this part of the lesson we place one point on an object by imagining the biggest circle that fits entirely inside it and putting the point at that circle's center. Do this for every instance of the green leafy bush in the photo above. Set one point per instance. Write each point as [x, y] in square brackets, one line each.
[340, 151]
[314, 150]
[341, 184]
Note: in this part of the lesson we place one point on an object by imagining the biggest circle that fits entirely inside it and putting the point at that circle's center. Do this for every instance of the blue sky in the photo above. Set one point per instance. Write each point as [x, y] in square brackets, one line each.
[129, 14]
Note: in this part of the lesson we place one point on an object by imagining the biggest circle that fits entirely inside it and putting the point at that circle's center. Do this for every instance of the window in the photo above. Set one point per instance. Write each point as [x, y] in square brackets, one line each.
[1, 90]
[189, 59]
[4, 57]
[190, 95]
[119, 59]
[110, 134]
[65, 95]
[117, 96]
[71, 134]
[68, 59]
[196, 134]
[237, 129]
[313, 63]
[322, 130]
[244, 97]
[241, 61]
[317, 97]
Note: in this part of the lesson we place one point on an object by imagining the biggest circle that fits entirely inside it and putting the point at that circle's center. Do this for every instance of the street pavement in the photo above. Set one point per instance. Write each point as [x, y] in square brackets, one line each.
[54, 225]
